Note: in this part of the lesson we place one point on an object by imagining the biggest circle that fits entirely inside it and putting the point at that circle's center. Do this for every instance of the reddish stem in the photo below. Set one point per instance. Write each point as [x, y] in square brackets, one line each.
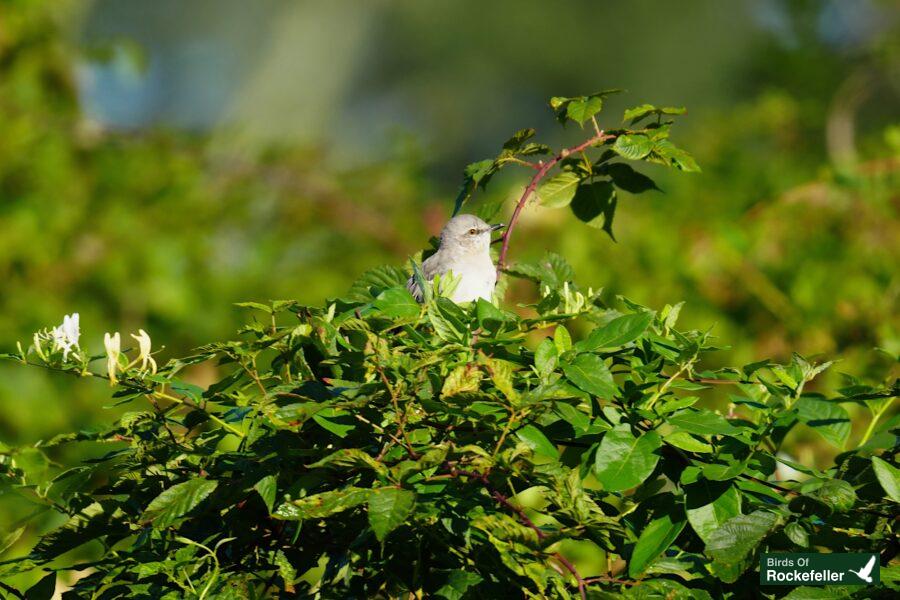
[543, 169]
[571, 569]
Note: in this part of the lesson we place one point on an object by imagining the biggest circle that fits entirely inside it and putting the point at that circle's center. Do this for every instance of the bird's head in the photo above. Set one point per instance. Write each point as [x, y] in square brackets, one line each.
[467, 233]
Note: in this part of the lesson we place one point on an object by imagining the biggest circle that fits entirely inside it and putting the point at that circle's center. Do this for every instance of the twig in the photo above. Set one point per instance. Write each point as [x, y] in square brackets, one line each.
[543, 169]
[571, 569]
[401, 422]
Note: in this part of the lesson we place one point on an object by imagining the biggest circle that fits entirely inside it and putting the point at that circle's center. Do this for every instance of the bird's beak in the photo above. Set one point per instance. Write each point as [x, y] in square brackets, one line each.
[497, 226]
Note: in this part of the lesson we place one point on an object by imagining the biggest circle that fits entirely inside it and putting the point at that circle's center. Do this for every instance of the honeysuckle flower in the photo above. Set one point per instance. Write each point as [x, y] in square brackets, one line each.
[143, 340]
[65, 336]
[113, 344]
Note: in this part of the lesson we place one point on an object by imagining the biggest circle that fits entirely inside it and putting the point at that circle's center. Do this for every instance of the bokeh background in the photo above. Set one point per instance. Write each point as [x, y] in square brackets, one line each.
[160, 161]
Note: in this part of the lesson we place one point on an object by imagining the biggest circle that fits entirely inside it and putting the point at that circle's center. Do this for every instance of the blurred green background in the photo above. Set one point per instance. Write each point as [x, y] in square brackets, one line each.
[160, 161]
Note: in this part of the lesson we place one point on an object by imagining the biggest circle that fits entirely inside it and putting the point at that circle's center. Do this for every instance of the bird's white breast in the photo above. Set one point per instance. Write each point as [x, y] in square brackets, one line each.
[477, 278]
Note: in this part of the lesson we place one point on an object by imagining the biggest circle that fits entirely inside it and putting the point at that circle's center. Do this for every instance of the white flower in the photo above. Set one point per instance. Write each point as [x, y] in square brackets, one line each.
[143, 340]
[113, 344]
[65, 336]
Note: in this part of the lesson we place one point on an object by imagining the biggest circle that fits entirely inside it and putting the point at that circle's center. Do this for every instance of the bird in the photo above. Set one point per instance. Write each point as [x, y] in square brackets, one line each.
[865, 572]
[465, 253]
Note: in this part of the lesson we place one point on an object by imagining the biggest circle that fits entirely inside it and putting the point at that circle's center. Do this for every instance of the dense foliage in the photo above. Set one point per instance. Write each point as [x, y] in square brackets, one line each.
[377, 447]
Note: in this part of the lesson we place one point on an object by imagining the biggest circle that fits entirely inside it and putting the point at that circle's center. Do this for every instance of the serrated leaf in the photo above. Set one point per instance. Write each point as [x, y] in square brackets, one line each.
[373, 282]
[590, 373]
[667, 153]
[582, 109]
[732, 545]
[639, 112]
[595, 205]
[624, 461]
[888, 476]
[397, 303]
[177, 501]
[558, 191]
[633, 146]
[388, 509]
[626, 178]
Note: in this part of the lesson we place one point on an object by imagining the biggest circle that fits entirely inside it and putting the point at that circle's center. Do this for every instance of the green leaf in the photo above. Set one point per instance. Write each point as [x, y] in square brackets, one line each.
[559, 190]
[562, 339]
[655, 539]
[644, 110]
[339, 422]
[709, 504]
[286, 570]
[535, 439]
[43, 589]
[624, 461]
[323, 505]
[732, 545]
[837, 494]
[595, 205]
[350, 457]
[552, 270]
[626, 178]
[686, 441]
[582, 109]
[590, 373]
[464, 378]
[633, 146]
[489, 316]
[668, 154]
[797, 534]
[702, 422]
[388, 509]
[267, 488]
[177, 501]
[888, 476]
[458, 582]
[373, 282]
[546, 357]
[828, 419]
[618, 332]
[397, 303]
[8, 539]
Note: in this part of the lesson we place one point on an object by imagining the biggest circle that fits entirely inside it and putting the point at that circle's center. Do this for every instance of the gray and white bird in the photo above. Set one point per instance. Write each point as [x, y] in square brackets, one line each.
[465, 251]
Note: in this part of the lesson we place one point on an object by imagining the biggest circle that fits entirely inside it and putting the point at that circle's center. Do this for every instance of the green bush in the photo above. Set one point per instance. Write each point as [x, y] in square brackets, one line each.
[377, 447]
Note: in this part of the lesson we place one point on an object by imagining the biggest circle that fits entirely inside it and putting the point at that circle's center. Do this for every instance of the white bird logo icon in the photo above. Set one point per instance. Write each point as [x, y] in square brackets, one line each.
[864, 573]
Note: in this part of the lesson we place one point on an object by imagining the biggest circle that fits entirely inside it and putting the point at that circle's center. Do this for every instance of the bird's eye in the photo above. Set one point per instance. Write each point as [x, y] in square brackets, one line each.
[473, 231]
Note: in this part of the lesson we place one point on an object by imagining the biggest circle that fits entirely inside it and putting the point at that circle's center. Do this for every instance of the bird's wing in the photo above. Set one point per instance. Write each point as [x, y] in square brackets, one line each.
[430, 267]
[868, 568]
[413, 286]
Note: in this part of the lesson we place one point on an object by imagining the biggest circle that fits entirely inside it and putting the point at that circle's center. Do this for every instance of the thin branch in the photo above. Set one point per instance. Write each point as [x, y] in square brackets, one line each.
[543, 169]
[401, 418]
[571, 569]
